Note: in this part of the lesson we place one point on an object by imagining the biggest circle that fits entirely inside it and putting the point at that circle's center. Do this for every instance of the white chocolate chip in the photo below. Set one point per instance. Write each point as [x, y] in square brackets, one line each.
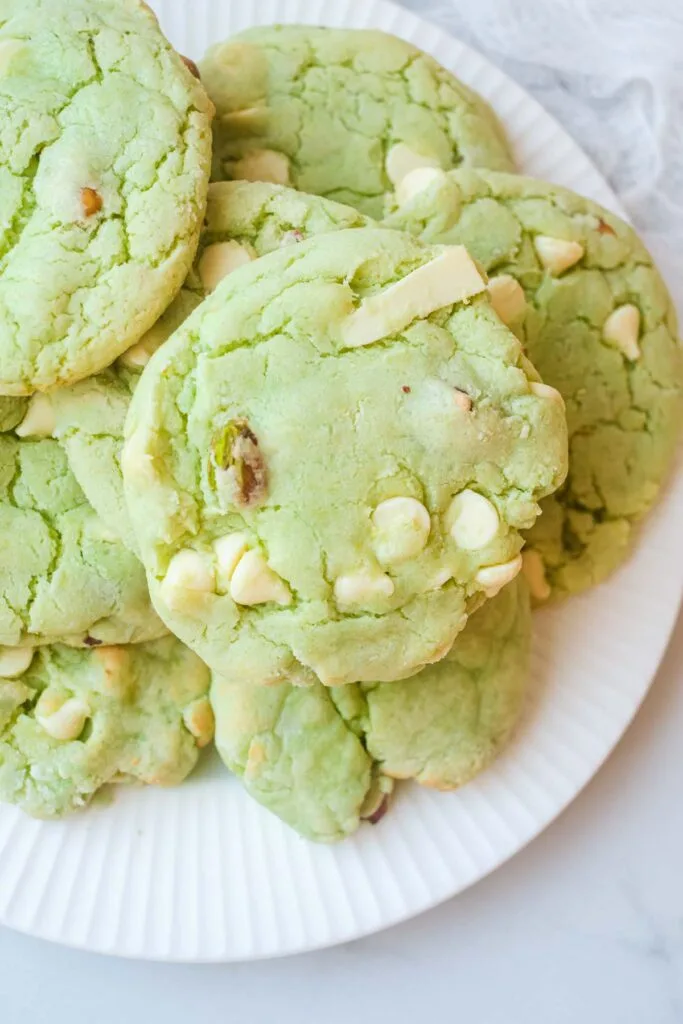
[450, 277]
[115, 665]
[254, 582]
[136, 462]
[189, 574]
[139, 355]
[263, 165]
[622, 328]
[417, 181]
[199, 721]
[219, 260]
[402, 160]
[545, 391]
[557, 254]
[248, 118]
[228, 550]
[66, 722]
[534, 573]
[361, 587]
[507, 297]
[39, 420]
[472, 520]
[402, 528]
[492, 578]
[14, 661]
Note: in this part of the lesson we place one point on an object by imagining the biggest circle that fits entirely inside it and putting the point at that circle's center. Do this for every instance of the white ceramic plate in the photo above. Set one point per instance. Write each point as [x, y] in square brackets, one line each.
[202, 872]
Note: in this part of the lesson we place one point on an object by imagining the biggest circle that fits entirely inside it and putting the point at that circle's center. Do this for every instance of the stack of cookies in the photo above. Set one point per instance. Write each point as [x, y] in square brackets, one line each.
[292, 454]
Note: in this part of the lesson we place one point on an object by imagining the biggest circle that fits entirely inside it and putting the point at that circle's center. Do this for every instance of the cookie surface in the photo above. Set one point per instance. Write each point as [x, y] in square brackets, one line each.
[244, 220]
[330, 462]
[599, 325]
[73, 720]
[341, 113]
[65, 577]
[323, 758]
[103, 196]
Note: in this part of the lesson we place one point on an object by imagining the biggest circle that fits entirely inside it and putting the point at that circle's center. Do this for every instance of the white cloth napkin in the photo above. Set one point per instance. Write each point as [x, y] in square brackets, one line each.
[612, 72]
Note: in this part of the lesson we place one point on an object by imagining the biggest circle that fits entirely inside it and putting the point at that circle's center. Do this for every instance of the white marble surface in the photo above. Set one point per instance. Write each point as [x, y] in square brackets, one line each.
[587, 923]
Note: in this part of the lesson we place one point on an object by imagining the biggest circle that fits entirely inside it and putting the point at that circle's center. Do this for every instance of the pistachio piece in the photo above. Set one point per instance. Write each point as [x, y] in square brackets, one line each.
[236, 454]
[190, 65]
[91, 201]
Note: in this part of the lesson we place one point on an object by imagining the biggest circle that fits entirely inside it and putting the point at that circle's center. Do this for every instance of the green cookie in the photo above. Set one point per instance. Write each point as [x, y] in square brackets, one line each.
[599, 325]
[341, 113]
[321, 758]
[331, 460]
[73, 720]
[105, 152]
[65, 577]
[244, 220]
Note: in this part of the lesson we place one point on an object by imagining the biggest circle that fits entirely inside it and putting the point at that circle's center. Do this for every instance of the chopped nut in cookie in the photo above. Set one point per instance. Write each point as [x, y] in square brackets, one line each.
[237, 457]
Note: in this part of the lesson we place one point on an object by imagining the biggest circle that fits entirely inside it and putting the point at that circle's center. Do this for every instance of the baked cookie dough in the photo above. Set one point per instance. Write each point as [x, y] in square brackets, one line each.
[322, 759]
[342, 113]
[105, 152]
[65, 576]
[244, 220]
[581, 290]
[329, 464]
[73, 720]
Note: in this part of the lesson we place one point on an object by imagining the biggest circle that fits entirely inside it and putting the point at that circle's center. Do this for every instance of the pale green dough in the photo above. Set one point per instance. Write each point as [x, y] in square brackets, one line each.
[137, 713]
[65, 577]
[323, 758]
[623, 409]
[327, 107]
[105, 151]
[329, 432]
[89, 416]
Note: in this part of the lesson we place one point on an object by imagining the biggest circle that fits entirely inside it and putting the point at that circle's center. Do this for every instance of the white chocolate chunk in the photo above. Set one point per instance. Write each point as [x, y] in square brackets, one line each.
[14, 661]
[492, 578]
[417, 181]
[199, 721]
[450, 277]
[534, 573]
[622, 328]
[557, 254]
[263, 165]
[219, 260]
[228, 550]
[402, 528]
[247, 118]
[39, 420]
[507, 297]
[139, 355]
[65, 723]
[402, 160]
[136, 462]
[189, 573]
[472, 520]
[545, 391]
[254, 582]
[359, 588]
